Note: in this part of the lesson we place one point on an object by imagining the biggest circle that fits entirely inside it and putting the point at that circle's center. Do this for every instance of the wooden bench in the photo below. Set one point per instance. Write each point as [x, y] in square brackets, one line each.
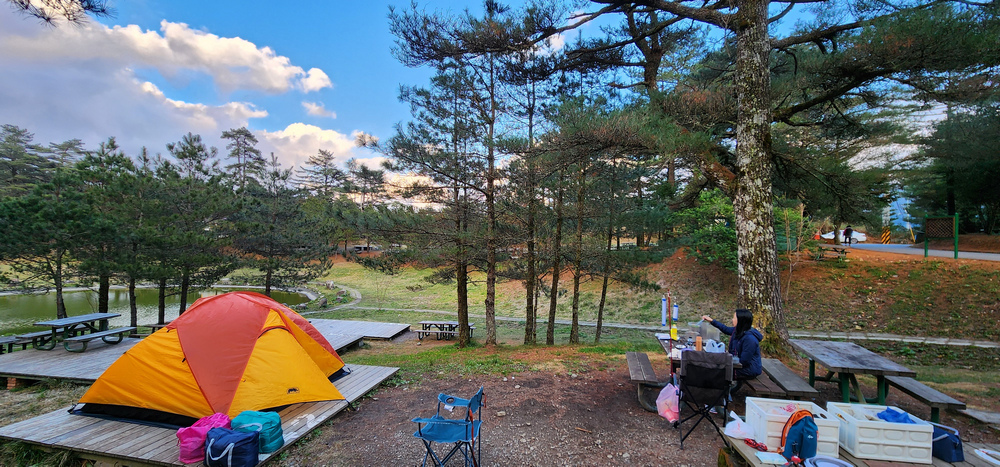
[790, 382]
[641, 372]
[832, 251]
[764, 387]
[35, 338]
[7, 344]
[86, 338]
[937, 400]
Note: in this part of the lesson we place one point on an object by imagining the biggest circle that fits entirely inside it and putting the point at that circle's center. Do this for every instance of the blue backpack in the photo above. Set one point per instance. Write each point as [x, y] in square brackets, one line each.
[800, 436]
[228, 448]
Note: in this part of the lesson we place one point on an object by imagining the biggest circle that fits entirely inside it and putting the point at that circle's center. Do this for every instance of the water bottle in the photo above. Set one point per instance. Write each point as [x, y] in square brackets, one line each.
[673, 331]
[676, 312]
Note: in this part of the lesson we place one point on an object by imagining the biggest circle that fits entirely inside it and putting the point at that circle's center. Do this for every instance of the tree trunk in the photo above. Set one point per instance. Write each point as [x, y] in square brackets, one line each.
[133, 307]
[574, 331]
[267, 281]
[759, 287]
[606, 272]
[491, 217]
[461, 272]
[550, 331]
[103, 292]
[162, 301]
[185, 285]
[60, 303]
[530, 314]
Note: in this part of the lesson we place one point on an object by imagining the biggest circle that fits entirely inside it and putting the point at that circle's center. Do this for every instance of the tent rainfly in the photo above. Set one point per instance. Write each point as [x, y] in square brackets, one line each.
[227, 353]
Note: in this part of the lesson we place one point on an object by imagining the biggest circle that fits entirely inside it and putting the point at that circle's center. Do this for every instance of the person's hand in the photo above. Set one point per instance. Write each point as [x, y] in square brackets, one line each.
[706, 317]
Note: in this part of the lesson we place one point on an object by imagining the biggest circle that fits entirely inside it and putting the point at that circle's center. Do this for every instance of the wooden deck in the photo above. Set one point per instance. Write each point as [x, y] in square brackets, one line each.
[86, 367]
[124, 443]
[369, 329]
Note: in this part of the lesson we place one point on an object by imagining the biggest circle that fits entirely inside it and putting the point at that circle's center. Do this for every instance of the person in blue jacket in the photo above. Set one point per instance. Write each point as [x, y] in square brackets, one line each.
[744, 343]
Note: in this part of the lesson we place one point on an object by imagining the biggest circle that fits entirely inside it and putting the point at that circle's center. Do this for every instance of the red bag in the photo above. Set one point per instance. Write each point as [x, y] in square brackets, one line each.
[191, 439]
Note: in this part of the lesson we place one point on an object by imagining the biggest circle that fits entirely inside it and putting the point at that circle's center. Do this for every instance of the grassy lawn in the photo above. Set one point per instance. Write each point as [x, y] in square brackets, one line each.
[409, 290]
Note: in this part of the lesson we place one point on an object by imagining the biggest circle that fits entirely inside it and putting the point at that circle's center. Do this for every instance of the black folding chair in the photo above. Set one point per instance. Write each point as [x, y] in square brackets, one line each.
[705, 378]
[464, 432]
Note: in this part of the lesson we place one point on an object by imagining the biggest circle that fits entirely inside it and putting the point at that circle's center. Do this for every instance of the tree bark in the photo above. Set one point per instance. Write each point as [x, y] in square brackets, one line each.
[574, 332]
[103, 290]
[550, 331]
[185, 284]
[606, 272]
[491, 216]
[133, 307]
[162, 301]
[530, 314]
[60, 303]
[759, 287]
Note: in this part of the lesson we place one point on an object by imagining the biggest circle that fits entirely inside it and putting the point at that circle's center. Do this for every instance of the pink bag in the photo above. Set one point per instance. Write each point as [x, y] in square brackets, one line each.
[191, 439]
[667, 403]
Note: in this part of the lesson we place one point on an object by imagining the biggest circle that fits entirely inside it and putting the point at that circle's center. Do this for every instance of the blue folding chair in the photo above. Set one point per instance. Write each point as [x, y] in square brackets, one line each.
[464, 432]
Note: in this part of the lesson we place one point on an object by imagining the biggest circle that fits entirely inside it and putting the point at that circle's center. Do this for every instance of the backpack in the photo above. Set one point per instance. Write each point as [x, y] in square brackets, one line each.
[799, 437]
[268, 424]
[228, 448]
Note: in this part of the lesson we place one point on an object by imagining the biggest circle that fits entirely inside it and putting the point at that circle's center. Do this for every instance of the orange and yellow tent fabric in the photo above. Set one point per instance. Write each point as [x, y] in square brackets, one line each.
[227, 353]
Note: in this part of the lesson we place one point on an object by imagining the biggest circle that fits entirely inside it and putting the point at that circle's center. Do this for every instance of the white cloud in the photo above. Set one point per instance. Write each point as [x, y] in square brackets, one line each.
[317, 109]
[298, 141]
[556, 42]
[232, 62]
[315, 80]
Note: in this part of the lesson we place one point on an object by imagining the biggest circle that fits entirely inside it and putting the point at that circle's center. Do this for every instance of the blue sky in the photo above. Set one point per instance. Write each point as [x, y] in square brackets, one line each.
[304, 77]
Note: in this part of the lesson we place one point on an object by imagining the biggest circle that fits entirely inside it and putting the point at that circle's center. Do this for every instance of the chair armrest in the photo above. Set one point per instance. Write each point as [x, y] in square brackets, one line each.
[446, 421]
[453, 401]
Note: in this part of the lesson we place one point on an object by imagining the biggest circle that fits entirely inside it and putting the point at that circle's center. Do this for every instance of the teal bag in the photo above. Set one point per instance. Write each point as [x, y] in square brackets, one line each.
[268, 424]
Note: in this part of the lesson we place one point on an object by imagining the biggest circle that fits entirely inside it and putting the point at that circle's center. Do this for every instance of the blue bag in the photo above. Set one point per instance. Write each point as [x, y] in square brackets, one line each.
[268, 424]
[946, 444]
[895, 416]
[799, 437]
[228, 448]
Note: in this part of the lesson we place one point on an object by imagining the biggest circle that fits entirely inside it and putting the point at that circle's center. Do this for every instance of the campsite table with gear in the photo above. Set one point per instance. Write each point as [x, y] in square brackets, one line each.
[849, 359]
[69, 327]
[675, 363]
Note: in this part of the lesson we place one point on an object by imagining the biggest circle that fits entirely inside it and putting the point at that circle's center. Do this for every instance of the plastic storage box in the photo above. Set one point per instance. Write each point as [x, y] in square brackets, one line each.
[767, 423]
[881, 440]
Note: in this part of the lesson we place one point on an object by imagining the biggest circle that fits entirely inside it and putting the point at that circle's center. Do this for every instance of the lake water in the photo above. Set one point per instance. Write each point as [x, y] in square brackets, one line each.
[19, 312]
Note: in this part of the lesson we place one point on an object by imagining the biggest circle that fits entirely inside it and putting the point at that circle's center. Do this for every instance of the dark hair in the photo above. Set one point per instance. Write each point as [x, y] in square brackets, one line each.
[744, 321]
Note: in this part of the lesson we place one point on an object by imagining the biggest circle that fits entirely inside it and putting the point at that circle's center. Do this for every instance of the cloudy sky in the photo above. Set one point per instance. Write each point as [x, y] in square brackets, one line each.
[302, 77]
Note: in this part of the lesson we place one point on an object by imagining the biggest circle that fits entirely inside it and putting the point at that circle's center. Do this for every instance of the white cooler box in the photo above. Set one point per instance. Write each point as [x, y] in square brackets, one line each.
[767, 425]
[879, 439]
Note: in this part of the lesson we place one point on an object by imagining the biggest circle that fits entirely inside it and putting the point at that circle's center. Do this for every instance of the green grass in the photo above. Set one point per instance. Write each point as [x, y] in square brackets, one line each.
[409, 290]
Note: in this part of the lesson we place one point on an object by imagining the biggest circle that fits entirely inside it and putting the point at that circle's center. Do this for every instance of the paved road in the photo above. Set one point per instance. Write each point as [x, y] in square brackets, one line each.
[908, 250]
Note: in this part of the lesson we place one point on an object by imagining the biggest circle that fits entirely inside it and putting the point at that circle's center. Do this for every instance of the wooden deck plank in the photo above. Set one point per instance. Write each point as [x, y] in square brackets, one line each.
[96, 438]
[368, 329]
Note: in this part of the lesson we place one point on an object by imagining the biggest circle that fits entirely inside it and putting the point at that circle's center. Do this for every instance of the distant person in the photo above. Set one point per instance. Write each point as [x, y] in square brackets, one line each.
[848, 233]
[744, 343]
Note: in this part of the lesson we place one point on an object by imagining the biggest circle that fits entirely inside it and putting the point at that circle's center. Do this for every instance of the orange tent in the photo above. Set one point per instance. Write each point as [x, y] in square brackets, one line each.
[227, 353]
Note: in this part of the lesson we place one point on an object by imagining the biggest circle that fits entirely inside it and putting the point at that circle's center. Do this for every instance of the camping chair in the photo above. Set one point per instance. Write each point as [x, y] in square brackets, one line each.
[705, 378]
[463, 432]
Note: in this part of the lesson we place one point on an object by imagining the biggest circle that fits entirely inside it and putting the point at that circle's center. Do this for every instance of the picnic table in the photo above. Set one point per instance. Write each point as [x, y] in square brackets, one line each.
[837, 251]
[65, 328]
[441, 329]
[157, 326]
[848, 359]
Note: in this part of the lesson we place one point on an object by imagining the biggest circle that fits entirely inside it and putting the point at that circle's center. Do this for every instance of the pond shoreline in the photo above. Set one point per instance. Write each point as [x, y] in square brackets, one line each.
[310, 294]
